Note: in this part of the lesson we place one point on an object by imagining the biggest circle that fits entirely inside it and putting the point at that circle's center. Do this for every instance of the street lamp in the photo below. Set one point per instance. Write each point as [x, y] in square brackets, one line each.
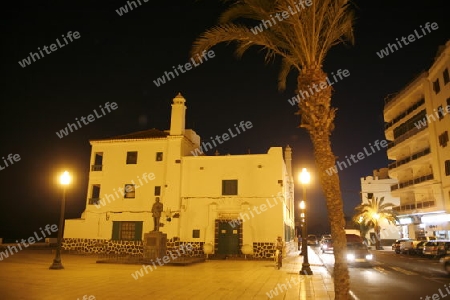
[64, 180]
[304, 178]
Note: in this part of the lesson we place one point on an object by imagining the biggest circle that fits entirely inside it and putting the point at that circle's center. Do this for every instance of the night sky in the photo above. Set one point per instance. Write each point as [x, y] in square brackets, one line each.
[117, 58]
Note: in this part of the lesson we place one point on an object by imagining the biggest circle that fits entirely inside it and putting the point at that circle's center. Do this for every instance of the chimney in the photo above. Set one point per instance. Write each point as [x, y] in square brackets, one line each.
[178, 117]
[288, 160]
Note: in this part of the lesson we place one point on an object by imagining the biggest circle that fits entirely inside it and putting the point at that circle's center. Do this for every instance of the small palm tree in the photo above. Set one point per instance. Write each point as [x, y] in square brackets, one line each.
[371, 214]
[302, 36]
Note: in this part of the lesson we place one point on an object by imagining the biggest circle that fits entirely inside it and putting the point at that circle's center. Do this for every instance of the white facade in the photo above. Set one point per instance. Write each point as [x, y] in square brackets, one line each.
[417, 124]
[379, 186]
[235, 203]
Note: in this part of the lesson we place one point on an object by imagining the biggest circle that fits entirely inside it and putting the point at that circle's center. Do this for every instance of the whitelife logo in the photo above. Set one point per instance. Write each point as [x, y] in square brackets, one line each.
[49, 229]
[391, 48]
[27, 61]
[225, 136]
[280, 16]
[195, 61]
[358, 157]
[86, 120]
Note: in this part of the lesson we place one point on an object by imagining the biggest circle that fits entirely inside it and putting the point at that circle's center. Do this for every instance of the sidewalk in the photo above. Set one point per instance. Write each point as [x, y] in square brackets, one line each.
[25, 275]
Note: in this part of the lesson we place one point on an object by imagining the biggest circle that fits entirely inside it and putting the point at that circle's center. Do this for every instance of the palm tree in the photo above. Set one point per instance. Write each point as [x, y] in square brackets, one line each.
[302, 39]
[371, 214]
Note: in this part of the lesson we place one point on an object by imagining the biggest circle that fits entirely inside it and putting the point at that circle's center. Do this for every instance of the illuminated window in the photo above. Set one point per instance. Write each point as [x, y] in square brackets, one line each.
[130, 191]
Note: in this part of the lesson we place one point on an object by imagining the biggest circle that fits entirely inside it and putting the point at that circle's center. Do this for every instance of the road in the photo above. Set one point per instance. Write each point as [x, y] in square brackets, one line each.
[396, 276]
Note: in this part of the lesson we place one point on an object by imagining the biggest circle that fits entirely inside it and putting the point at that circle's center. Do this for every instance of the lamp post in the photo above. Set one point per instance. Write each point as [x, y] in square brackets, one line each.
[64, 180]
[304, 178]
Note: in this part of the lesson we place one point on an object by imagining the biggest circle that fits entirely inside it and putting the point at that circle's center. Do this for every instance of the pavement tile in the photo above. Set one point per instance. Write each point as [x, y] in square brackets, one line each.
[25, 275]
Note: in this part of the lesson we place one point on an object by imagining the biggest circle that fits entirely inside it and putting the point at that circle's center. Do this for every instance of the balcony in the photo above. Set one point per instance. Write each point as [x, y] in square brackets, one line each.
[96, 167]
[415, 156]
[406, 136]
[411, 182]
[413, 206]
[405, 113]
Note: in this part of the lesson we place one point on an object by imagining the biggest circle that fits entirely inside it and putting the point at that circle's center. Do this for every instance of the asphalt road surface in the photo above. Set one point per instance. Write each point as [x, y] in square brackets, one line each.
[396, 276]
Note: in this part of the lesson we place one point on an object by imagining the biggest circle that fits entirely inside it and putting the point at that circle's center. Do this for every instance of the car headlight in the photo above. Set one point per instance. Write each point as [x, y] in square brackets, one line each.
[369, 256]
[350, 257]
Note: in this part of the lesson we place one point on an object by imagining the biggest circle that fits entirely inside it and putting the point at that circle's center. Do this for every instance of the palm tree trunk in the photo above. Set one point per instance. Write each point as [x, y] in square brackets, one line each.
[325, 158]
[317, 116]
[378, 237]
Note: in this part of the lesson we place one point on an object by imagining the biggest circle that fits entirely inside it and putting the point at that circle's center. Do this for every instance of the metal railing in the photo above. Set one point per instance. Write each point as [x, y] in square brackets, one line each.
[415, 156]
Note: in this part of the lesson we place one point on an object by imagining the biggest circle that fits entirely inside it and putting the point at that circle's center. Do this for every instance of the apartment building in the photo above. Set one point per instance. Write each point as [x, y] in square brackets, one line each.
[417, 122]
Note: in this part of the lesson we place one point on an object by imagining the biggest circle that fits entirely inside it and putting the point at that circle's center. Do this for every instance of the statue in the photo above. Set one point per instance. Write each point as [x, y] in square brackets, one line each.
[157, 208]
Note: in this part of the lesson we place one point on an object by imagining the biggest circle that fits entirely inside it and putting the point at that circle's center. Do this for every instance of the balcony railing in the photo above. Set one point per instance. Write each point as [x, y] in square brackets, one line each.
[405, 113]
[96, 167]
[415, 156]
[411, 182]
[413, 206]
[406, 136]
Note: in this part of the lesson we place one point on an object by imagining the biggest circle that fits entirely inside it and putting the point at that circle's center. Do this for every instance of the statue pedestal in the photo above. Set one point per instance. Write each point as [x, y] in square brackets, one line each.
[155, 244]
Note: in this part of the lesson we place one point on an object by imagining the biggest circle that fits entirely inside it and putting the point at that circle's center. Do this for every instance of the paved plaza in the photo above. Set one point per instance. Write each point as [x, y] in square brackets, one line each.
[25, 275]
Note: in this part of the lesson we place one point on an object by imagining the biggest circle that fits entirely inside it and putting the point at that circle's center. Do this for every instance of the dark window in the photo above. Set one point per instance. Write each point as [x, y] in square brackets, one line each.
[419, 118]
[369, 195]
[229, 187]
[436, 87]
[129, 191]
[98, 162]
[95, 194]
[157, 190]
[196, 233]
[446, 76]
[159, 156]
[448, 102]
[132, 157]
[440, 112]
[447, 168]
[127, 230]
[443, 139]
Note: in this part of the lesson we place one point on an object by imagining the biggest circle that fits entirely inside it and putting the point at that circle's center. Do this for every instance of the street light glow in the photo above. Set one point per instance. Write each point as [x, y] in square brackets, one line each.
[65, 178]
[302, 204]
[304, 176]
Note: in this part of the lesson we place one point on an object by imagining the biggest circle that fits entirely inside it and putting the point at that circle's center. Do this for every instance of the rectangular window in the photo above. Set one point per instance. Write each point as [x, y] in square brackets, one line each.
[447, 168]
[448, 103]
[129, 191]
[132, 157]
[446, 76]
[443, 139]
[369, 195]
[157, 190]
[127, 230]
[229, 187]
[196, 233]
[159, 156]
[441, 112]
[95, 194]
[436, 87]
[98, 162]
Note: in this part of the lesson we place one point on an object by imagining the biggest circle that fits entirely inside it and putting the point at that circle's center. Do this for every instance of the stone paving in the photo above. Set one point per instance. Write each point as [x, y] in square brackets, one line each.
[25, 275]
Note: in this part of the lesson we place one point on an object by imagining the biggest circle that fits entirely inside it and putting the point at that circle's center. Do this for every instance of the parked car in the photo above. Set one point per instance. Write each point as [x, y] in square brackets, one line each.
[410, 246]
[357, 252]
[396, 245]
[419, 248]
[312, 240]
[445, 261]
[327, 246]
[437, 248]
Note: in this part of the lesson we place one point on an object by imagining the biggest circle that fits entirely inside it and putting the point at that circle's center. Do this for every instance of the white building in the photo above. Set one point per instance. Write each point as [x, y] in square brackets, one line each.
[417, 124]
[232, 204]
[376, 187]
